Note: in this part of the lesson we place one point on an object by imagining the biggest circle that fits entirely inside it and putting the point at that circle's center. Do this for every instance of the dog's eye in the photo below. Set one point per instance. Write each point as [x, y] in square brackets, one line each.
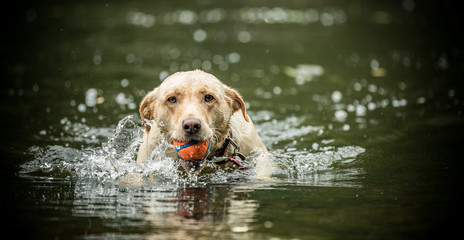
[172, 100]
[209, 98]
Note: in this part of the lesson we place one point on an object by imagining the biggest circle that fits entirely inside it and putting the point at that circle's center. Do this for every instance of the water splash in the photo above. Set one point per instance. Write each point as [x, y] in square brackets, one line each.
[317, 168]
[114, 162]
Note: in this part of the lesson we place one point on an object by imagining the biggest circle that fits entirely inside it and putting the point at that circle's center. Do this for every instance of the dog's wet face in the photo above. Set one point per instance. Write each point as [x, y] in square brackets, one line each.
[190, 111]
[192, 106]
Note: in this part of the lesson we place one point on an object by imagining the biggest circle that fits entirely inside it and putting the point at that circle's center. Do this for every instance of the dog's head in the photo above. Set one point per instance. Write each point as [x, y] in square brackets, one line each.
[192, 105]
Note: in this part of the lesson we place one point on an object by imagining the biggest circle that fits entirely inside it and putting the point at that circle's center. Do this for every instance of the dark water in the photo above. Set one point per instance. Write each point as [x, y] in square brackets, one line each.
[360, 103]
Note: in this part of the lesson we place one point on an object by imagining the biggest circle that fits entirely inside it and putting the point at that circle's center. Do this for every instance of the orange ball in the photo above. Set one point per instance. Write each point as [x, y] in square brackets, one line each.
[192, 150]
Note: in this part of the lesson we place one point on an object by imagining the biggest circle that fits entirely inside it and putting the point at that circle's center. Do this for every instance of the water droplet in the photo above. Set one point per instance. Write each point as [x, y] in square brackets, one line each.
[186, 17]
[336, 96]
[124, 82]
[360, 110]
[421, 100]
[199, 35]
[315, 146]
[91, 97]
[375, 64]
[402, 86]
[140, 19]
[268, 224]
[371, 106]
[244, 36]
[97, 59]
[35, 88]
[132, 106]
[327, 19]
[233, 57]
[341, 115]
[346, 127]
[357, 86]
[206, 65]
[130, 58]
[81, 108]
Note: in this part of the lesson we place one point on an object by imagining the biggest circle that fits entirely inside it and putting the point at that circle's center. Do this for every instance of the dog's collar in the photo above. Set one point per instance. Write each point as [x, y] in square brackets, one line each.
[220, 156]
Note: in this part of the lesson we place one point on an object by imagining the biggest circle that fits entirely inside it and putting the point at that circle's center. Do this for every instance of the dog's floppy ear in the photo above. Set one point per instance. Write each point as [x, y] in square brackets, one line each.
[147, 107]
[236, 102]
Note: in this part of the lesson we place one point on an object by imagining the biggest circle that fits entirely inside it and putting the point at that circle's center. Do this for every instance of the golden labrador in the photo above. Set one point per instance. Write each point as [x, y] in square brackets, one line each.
[196, 105]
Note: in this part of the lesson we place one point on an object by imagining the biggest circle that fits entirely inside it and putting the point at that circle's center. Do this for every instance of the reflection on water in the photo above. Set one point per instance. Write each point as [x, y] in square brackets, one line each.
[175, 212]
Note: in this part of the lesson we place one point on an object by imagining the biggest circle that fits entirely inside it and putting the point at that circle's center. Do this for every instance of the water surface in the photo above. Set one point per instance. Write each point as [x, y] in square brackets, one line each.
[360, 104]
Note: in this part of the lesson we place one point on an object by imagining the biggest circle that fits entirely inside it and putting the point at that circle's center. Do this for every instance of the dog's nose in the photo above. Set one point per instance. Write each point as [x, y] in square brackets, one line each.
[191, 125]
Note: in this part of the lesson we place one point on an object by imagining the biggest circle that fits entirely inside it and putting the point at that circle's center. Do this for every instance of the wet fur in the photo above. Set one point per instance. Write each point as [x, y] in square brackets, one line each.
[226, 112]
